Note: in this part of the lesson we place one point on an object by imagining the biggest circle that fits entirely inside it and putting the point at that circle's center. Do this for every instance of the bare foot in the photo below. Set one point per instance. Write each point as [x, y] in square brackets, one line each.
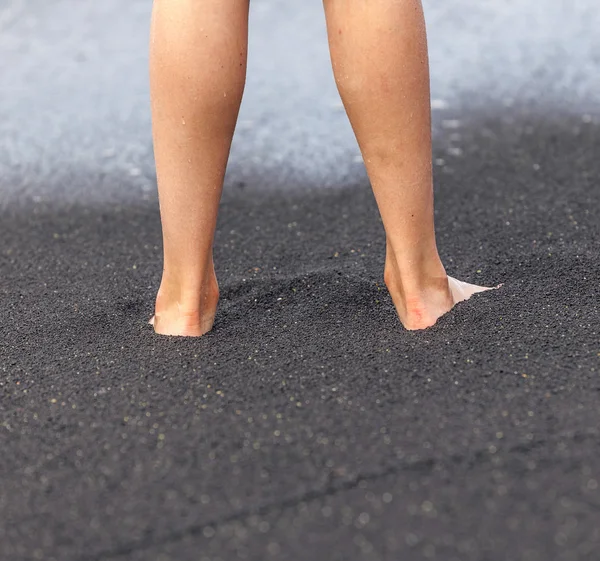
[192, 319]
[421, 309]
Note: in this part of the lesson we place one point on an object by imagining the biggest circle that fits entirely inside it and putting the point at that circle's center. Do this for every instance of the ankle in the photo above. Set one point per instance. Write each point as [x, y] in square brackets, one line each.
[187, 297]
[415, 277]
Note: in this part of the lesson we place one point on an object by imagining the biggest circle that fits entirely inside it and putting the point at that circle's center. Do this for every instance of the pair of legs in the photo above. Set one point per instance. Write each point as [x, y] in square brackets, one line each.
[378, 49]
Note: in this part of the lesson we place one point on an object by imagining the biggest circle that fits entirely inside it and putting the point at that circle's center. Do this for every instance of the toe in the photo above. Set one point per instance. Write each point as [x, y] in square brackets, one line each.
[463, 290]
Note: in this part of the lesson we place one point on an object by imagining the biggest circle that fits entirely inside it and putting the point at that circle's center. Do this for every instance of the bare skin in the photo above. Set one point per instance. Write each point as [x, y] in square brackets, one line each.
[197, 74]
[198, 53]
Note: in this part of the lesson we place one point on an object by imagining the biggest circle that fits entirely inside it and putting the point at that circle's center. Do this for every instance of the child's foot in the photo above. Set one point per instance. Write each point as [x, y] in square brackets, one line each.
[191, 319]
[422, 308]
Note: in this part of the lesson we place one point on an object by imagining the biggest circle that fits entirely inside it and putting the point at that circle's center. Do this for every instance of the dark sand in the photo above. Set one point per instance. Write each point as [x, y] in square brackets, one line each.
[308, 425]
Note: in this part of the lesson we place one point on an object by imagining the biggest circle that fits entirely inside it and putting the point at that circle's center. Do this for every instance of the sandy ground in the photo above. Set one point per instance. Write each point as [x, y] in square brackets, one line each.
[308, 424]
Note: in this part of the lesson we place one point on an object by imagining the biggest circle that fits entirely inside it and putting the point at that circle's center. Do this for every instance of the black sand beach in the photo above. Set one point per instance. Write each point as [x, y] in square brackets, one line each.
[308, 424]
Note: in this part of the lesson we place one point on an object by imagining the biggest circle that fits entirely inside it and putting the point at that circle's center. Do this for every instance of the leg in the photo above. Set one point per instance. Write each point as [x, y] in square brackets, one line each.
[198, 55]
[379, 55]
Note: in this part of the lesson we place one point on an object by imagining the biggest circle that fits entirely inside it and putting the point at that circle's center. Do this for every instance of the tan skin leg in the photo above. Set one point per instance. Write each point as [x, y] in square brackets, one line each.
[198, 53]
[379, 54]
[197, 74]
